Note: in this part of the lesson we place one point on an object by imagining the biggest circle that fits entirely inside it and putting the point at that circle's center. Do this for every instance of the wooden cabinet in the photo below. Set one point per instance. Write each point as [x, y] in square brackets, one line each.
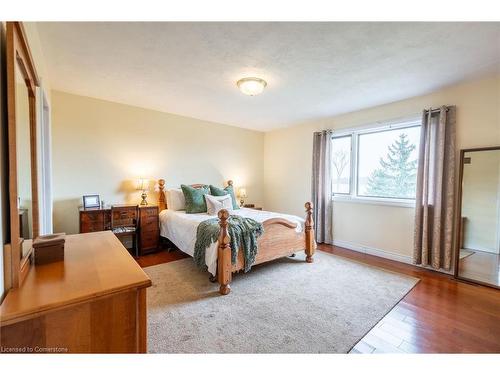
[94, 301]
[99, 219]
[149, 229]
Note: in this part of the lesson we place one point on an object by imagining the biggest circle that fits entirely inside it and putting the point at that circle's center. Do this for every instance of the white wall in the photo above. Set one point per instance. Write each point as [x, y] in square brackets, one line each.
[35, 45]
[288, 159]
[103, 147]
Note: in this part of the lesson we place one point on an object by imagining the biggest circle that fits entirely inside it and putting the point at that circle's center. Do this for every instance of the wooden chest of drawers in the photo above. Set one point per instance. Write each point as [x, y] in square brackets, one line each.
[68, 306]
[99, 219]
[149, 229]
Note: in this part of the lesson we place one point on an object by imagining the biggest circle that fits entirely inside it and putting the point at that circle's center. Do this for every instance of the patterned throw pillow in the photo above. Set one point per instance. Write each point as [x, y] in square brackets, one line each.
[228, 190]
[195, 199]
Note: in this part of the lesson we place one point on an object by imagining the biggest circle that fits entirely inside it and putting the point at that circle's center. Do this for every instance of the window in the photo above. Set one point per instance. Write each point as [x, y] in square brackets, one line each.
[376, 163]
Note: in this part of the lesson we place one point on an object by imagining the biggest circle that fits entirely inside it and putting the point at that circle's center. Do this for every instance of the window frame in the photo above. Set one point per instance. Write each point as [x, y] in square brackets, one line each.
[350, 164]
[355, 133]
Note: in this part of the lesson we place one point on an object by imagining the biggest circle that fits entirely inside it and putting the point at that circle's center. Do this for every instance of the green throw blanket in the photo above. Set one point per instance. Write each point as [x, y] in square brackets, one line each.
[242, 231]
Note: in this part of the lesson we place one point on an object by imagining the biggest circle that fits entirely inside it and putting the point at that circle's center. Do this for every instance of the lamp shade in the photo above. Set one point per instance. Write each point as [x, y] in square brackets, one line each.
[142, 184]
[242, 192]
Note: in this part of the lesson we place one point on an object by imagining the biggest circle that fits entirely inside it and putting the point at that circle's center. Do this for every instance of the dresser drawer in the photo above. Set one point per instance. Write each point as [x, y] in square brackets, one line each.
[149, 222]
[91, 222]
[149, 240]
[149, 212]
[124, 216]
[92, 216]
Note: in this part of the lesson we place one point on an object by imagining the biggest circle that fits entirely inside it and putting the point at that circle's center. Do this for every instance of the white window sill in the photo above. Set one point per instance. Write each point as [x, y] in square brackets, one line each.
[375, 201]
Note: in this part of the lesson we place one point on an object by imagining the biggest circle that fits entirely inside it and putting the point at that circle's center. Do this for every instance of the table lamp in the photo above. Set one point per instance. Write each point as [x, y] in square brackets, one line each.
[143, 184]
[242, 194]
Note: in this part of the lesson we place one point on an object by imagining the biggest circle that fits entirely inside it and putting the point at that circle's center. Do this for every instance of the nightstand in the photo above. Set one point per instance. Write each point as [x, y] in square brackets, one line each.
[149, 229]
[252, 206]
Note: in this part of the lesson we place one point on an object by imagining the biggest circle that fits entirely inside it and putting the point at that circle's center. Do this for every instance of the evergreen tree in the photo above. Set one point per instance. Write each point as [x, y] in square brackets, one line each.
[396, 176]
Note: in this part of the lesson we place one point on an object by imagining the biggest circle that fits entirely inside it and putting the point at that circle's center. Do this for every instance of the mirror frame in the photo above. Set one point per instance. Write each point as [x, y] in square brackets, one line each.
[18, 52]
[459, 214]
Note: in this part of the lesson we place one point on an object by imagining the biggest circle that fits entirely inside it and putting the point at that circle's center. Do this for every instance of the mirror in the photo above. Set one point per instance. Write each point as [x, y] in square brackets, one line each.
[22, 81]
[23, 156]
[478, 252]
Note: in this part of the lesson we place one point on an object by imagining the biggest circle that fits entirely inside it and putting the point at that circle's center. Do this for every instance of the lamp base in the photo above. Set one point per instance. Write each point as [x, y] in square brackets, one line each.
[144, 202]
[241, 202]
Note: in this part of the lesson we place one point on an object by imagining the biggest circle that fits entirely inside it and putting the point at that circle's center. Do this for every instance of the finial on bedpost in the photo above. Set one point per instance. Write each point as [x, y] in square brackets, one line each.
[309, 211]
[230, 183]
[161, 198]
[224, 271]
[309, 231]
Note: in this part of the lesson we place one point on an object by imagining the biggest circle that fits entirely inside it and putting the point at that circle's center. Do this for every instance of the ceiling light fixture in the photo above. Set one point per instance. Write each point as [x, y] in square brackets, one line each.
[251, 85]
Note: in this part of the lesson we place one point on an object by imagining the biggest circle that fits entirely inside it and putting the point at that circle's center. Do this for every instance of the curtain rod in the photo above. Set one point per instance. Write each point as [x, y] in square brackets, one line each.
[436, 110]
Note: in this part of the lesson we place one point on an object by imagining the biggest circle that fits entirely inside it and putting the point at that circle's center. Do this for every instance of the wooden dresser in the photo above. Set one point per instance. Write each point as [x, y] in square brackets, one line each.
[99, 219]
[92, 302]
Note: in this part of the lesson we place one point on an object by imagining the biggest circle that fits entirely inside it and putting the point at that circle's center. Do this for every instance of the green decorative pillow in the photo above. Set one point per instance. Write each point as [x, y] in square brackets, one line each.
[228, 190]
[195, 199]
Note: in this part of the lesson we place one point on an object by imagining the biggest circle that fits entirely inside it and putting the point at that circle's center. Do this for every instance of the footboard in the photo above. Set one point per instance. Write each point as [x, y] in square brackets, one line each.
[280, 239]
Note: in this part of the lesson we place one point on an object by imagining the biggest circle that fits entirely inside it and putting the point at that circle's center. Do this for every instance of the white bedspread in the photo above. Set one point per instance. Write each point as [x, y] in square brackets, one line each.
[180, 228]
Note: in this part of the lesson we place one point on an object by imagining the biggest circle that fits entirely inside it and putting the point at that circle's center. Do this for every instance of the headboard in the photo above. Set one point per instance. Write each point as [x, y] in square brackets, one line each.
[162, 199]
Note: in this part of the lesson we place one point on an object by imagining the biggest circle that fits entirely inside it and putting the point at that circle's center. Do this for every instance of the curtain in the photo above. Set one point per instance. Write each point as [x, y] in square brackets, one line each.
[322, 186]
[435, 198]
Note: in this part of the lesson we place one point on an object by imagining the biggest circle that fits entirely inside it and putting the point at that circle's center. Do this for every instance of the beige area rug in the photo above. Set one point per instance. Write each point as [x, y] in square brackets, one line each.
[286, 306]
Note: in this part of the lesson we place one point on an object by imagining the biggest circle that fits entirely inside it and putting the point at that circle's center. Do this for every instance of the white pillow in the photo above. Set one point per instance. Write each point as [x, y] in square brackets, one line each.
[175, 200]
[215, 204]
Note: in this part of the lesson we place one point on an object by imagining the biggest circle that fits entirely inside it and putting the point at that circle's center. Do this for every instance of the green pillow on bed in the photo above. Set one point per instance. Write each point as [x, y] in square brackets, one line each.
[228, 190]
[195, 199]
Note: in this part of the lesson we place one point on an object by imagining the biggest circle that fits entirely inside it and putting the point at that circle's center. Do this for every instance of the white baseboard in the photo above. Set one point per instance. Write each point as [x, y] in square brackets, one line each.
[373, 251]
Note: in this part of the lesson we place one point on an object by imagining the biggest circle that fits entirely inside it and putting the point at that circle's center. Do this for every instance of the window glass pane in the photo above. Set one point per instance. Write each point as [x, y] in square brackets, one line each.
[387, 165]
[341, 165]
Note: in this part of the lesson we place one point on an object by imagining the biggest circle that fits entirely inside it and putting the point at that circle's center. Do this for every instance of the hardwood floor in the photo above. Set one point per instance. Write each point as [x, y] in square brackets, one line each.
[439, 315]
[162, 256]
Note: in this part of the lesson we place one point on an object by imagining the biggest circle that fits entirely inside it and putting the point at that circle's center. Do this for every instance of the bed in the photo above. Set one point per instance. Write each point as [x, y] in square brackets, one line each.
[284, 235]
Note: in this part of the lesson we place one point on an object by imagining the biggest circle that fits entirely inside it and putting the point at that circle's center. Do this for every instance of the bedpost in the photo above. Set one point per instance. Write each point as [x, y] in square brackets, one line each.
[309, 229]
[162, 204]
[224, 271]
[229, 182]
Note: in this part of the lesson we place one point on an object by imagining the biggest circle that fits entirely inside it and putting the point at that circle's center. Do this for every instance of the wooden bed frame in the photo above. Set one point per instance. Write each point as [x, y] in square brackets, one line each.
[278, 240]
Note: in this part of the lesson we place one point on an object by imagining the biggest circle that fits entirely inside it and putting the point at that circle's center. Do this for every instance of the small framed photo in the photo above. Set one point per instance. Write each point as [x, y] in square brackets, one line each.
[91, 201]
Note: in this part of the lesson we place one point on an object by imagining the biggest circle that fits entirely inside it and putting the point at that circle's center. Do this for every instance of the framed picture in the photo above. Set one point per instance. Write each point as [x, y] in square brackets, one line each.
[91, 201]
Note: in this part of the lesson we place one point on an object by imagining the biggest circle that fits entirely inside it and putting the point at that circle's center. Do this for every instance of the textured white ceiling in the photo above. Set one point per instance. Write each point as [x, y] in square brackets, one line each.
[313, 70]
